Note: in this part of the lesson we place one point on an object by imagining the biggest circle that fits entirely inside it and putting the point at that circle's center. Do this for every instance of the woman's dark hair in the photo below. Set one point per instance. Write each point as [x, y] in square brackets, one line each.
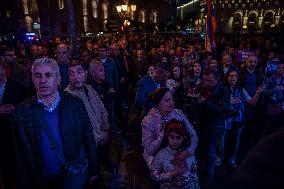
[156, 97]
[180, 128]
[227, 76]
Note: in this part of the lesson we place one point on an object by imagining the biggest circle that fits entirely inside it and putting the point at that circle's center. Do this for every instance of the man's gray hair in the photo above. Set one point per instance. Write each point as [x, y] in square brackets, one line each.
[46, 61]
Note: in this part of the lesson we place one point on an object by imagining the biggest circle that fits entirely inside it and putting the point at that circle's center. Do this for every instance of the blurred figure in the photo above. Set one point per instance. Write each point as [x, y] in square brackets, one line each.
[62, 56]
[15, 71]
[11, 94]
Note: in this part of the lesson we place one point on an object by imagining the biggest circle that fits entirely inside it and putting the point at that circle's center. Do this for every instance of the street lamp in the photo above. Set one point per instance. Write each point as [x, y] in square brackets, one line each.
[125, 10]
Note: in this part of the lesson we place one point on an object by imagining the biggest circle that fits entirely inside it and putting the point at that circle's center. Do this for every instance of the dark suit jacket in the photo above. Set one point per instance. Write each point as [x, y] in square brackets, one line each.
[14, 93]
[263, 165]
[138, 70]
[145, 86]
[217, 105]
[111, 73]
[76, 131]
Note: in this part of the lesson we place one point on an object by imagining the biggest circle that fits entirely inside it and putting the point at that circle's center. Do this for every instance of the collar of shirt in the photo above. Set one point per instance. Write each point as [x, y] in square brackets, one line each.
[53, 106]
[103, 60]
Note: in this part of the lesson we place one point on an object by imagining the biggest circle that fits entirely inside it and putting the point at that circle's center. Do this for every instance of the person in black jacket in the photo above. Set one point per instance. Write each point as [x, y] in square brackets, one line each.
[263, 165]
[214, 99]
[38, 164]
[11, 94]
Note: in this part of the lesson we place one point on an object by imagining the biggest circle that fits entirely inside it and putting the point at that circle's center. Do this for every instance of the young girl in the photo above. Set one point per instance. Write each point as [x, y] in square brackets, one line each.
[164, 169]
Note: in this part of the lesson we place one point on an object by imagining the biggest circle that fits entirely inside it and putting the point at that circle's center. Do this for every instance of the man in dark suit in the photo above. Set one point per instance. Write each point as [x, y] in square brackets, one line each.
[11, 94]
[111, 74]
[41, 160]
[14, 70]
[146, 85]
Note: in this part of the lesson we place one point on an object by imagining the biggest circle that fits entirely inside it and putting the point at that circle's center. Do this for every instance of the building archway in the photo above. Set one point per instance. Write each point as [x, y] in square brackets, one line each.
[237, 21]
[268, 21]
[252, 21]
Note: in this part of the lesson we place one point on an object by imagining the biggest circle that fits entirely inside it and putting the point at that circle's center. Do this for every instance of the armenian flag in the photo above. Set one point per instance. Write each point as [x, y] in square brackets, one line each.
[210, 42]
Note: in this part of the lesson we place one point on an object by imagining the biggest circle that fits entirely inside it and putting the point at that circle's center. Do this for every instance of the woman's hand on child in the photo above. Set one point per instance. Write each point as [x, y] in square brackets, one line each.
[178, 170]
[180, 157]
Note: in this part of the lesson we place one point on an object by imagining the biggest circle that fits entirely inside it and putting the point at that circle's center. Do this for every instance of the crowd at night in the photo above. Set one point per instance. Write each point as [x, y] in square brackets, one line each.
[191, 111]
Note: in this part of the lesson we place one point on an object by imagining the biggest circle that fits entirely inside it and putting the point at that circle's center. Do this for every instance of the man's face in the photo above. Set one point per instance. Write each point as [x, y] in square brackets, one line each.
[280, 69]
[102, 53]
[231, 51]
[123, 44]
[210, 80]
[36, 51]
[77, 76]
[62, 53]
[140, 54]
[251, 63]
[85, 57]
[158, 74]
[190, 49]
[196, 68]
[213, 64]
[162, 48]
[89, 45]
[95, 49]
[226, 60]
[10, 57]
[46, 80]
[57, 40]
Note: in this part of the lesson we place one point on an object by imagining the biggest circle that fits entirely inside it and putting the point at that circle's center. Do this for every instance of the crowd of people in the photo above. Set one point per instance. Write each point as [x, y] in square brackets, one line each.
[193, 110]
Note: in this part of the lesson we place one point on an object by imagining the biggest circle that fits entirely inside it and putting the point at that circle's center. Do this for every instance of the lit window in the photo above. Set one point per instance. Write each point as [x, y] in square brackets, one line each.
[95, 8]
[86, 24]
[32, 6]
[25, 6]
[61, 4]
[154, 17]
[85, 9]
[28, 21]
[142, 16]
[105, 11]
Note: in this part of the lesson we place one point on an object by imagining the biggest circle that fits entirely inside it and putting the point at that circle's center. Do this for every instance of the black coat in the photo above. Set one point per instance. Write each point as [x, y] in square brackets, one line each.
[263, 166]
[217, 106]
[14, 93]
[76, 131]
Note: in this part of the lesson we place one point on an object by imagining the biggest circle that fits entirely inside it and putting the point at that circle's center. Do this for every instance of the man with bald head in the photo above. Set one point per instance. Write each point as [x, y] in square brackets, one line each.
[62, 55]
[251, 78]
